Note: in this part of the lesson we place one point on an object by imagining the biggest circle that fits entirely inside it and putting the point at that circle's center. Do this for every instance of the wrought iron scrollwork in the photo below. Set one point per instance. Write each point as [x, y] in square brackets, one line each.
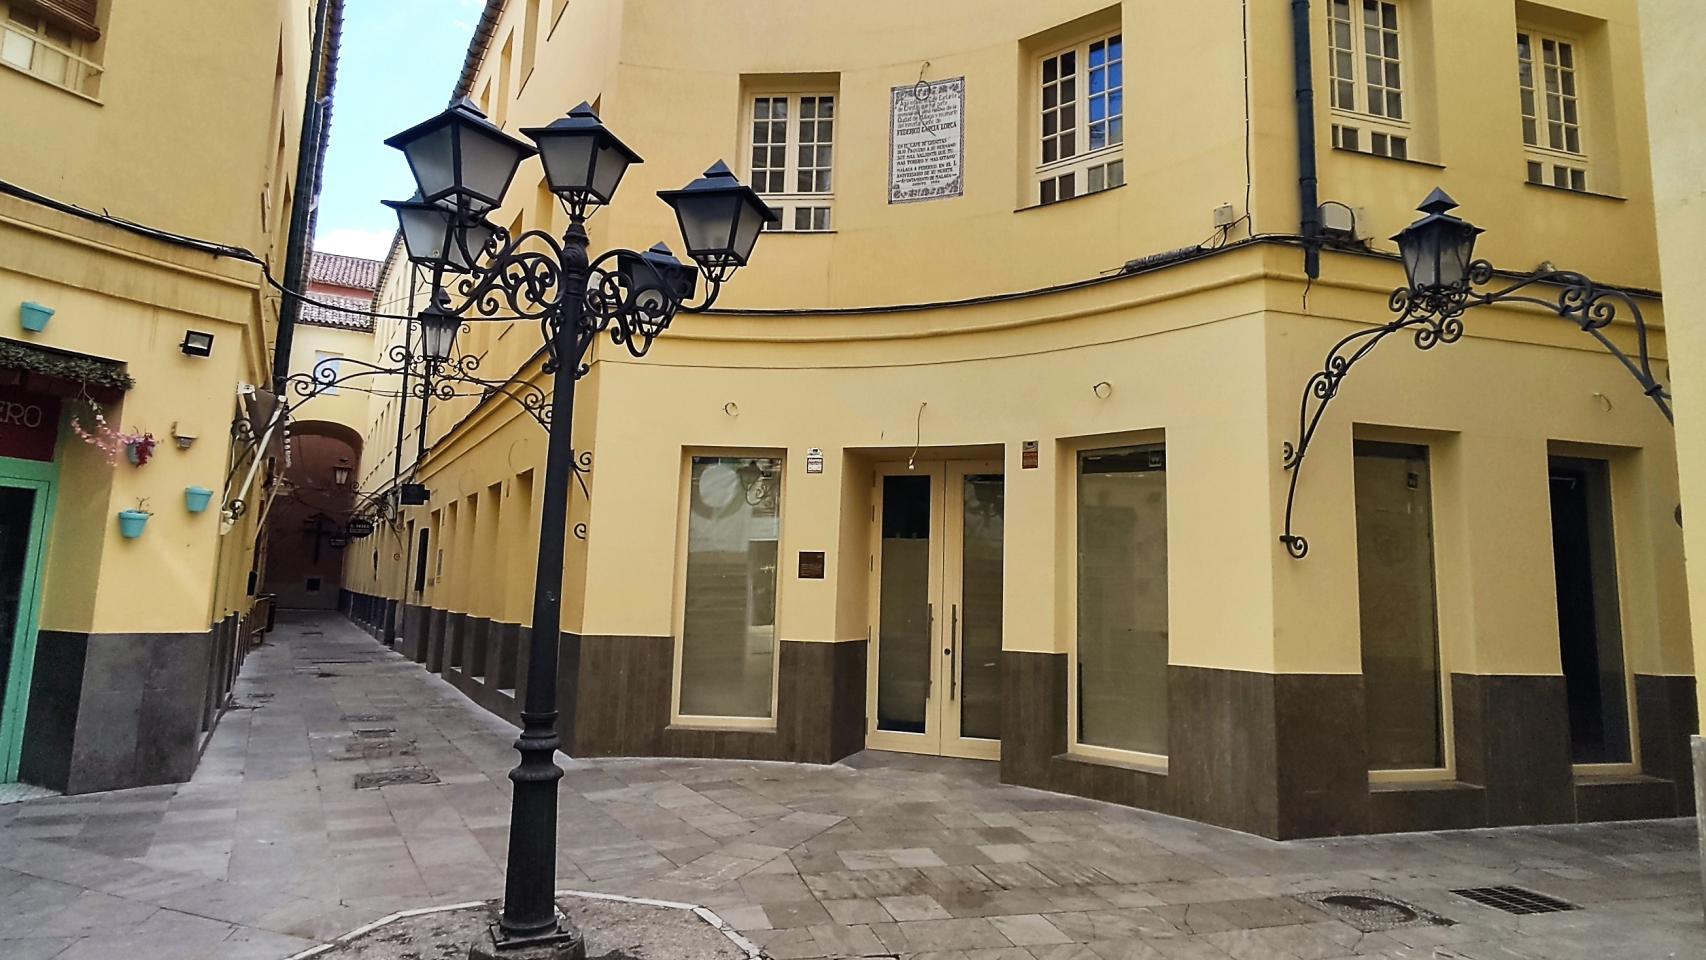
[1436, 317]
[532, 276]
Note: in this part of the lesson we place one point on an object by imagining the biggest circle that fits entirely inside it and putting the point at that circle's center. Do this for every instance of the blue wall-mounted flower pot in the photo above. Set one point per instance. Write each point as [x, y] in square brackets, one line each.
[196, 499]
[34, 316]
[131, 522]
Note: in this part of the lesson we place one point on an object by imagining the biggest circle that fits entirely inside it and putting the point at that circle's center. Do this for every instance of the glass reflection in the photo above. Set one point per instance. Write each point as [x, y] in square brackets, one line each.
[728, 638]
[1122, 598]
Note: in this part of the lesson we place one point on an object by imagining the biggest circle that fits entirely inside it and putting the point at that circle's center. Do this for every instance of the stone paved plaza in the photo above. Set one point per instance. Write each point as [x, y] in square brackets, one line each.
[272, 849]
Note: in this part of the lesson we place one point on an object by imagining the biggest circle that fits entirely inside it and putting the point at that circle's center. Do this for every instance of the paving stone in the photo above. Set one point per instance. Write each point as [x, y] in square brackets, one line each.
[269, 850]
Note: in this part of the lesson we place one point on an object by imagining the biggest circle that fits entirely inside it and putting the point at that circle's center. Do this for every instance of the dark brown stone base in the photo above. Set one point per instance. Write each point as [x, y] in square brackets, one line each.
[1284, 756]
[1279, 756]
[623, 704]
[112, 711]
[1667, 714]
[1512, 736]
[413, 644]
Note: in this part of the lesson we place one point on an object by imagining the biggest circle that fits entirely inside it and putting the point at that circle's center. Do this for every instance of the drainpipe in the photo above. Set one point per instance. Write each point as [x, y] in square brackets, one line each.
[1308, 182]
[302, 202]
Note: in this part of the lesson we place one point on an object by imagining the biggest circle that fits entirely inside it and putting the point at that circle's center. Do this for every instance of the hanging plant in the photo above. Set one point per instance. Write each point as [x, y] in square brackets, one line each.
[97, 433]
[136, 446]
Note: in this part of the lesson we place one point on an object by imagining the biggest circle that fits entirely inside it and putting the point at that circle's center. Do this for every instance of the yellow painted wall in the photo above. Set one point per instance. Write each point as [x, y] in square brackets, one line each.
[351, 404]
[186, 142]
[1214, 354]
[1674, 32]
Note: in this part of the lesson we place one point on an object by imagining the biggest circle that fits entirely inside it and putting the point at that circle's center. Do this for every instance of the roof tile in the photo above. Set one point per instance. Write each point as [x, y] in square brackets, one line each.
[344, 271]
[336, 312]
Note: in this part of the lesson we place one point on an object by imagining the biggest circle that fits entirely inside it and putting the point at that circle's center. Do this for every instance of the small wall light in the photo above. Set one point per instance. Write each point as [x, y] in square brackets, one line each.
[197, 344]
[340, 476]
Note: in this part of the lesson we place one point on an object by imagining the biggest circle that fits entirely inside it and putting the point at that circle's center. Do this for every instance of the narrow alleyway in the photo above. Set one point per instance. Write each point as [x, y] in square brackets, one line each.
[280, 843]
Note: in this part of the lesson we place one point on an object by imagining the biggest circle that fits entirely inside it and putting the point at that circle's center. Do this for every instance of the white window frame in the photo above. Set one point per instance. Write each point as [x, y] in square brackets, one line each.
[1443, 549]
[1083, 171]
[1548, 165]
[76, 71]
[684, 508]
[1360, 124]
[1068, 467]
[803, 210]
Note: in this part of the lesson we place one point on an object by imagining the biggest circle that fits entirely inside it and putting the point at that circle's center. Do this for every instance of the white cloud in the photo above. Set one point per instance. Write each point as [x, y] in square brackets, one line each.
[352, 242]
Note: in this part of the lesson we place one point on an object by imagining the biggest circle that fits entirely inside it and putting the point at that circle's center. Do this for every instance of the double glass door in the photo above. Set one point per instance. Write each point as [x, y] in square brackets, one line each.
[935, 665]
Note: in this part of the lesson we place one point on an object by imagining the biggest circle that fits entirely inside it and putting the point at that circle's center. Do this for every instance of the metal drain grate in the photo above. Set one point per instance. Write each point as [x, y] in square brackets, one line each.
[1372, 912]
[375, 733]
[1515, 900]
[387, 778]
[367, 717]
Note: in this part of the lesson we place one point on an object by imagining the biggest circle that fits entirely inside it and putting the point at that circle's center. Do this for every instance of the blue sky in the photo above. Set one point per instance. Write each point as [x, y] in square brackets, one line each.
[397, 65]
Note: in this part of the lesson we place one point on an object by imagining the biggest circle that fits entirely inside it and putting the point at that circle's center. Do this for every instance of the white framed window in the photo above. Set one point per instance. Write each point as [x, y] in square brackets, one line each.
[1551, 110]
[327, 368]
[726, 652]
[1366, 78]
[1117, 699]
[1081, 111]
[1408, 712]
[792, 152]
[58, 50]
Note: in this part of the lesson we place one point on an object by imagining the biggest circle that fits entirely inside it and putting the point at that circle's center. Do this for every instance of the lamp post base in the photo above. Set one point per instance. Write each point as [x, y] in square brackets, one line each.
[565, 943]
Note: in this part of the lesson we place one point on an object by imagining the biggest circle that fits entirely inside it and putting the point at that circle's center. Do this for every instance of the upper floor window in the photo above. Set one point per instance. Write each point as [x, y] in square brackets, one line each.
[793, 162]
[1551, 111]
[52, 39]
[1082, 105]
[1367, 84]
[328, 367]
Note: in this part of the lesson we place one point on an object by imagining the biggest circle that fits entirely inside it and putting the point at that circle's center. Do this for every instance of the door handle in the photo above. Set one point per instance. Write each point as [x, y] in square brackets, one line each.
[953, 650]
[930, 634]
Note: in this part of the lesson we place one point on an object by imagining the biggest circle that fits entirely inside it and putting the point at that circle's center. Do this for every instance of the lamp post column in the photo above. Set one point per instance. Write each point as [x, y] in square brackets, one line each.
[529, 896]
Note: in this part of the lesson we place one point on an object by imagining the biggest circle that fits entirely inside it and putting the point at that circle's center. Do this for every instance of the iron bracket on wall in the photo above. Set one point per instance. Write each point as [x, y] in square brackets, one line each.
[1436, 317]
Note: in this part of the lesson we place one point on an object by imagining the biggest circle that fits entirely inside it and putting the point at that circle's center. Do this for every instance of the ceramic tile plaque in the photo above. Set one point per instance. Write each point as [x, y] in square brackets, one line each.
[927, 140]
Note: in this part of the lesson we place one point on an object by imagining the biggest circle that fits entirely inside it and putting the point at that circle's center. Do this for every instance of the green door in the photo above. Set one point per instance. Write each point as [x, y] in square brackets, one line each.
[26, 503]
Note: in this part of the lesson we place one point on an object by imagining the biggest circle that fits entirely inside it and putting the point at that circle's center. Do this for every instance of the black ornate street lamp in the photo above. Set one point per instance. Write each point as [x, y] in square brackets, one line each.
[462, 163]
[1442, 277]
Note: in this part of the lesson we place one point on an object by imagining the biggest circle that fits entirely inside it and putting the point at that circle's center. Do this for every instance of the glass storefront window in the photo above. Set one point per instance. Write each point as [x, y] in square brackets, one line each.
[1590, 633]
[1122, 599]
[1396, 599]
[728, 638]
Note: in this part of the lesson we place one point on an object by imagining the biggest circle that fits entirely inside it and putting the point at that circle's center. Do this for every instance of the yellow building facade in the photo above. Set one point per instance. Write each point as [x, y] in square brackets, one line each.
[1679, 183]
[983, 455]
[148, 184]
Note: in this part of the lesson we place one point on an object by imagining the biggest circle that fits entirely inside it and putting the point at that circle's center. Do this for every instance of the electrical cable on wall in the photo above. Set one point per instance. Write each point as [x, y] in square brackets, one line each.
[917, 437]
